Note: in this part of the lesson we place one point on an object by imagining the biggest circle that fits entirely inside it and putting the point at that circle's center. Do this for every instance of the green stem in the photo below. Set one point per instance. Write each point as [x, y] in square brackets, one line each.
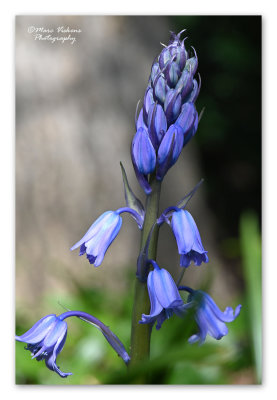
[141, 333]
[181, 276]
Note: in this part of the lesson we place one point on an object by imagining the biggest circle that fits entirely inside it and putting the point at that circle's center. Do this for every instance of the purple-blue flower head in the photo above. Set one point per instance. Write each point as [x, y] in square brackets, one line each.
[188, 239]
[209, 318]
[45, 341]
[164, 297]
[168, 103]
[99, 237]
[174, 71]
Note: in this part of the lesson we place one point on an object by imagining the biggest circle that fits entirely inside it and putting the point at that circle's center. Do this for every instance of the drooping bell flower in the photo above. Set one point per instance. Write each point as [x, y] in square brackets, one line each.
[102, 233]
[46, 339]
[164, 297]
[209, 318]
[188, 239]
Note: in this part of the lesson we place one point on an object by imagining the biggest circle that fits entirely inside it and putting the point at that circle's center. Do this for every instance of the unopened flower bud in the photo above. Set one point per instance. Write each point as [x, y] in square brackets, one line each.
[143, 152]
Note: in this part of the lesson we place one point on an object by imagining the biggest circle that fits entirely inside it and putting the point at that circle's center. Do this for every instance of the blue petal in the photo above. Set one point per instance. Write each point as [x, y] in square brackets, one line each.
[172, 73]
[99, 244]
[143, 152]
[209, 318]
[155, 70]
[162, 317]
[187, 117]
[194, 338]
[192, 63]
[40, 329]
[227, 316]
[164, 57]
[182, 231]
[172, 105]
[174, 134]
[203, 327]
[216, 328]
[56, 334]
[189, 134]
[94, 229]
[148, 101]
[194, 93]
[156, 307]
[197, 258]
[140, 122]
[142, 179]
[50, 361]
[91, 259]
[160, 89]
[157, 124]
[185, 260]
[165, 289]
[185, 84]
[197, 244]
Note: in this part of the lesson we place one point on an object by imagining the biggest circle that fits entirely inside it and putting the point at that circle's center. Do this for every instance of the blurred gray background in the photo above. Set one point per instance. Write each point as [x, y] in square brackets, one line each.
[75, 111]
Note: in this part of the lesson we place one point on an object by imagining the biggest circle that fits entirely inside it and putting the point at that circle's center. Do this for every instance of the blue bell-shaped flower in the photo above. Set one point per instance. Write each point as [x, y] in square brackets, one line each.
[164, 297]
[188, 239]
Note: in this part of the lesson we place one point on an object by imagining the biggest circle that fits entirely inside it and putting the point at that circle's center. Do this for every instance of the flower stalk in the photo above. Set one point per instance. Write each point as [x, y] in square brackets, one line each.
[141, 334]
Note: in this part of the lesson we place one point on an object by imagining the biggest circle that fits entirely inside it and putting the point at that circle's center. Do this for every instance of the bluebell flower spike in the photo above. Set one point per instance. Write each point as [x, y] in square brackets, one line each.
[209, 318]
[164, 296]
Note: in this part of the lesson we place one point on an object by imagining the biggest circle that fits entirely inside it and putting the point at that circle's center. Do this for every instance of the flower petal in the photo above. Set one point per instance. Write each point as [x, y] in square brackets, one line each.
[143, 152]
[94, 229]
[165, 289]
[182, 231]
[38, 332]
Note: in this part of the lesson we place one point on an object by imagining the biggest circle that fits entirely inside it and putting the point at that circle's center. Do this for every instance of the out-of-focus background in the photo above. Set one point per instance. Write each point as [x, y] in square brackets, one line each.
[75, 111]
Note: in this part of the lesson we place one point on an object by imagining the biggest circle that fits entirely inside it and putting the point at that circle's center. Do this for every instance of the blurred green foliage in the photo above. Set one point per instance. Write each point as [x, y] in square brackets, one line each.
[252, 263]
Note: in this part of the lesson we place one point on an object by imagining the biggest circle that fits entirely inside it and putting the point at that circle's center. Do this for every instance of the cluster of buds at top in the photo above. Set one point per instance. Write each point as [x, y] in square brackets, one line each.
[168, 118]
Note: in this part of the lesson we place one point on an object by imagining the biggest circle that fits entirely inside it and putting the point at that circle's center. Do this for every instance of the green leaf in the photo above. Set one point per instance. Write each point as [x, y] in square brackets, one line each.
[131, 200]
[251, 254]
